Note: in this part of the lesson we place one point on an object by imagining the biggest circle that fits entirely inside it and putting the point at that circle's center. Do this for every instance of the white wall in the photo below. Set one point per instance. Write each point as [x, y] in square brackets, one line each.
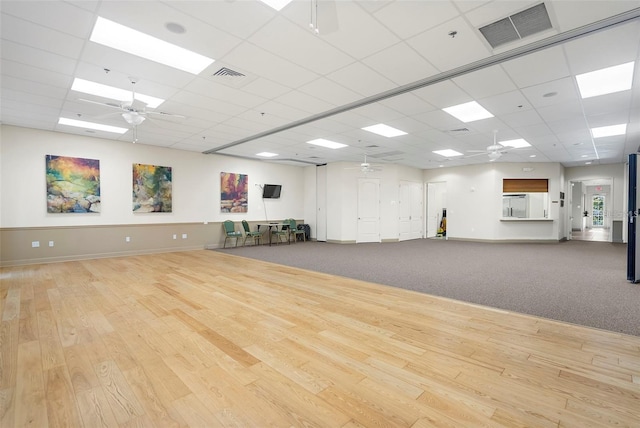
[474, 201]
[342, 199]
[196, 181]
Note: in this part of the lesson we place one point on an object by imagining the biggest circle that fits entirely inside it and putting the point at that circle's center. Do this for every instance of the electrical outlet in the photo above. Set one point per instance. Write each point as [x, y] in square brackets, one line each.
[35, 244]
[51, 243]
[175, 236]
[127, 239]
[184, 236]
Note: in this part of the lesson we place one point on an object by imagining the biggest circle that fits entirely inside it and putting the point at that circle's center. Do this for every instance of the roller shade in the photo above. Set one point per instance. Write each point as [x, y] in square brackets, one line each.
[525, 185]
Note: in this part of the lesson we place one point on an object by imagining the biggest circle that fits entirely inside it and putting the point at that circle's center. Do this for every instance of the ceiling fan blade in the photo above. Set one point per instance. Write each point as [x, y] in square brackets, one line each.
[164, 114]
[110, 105]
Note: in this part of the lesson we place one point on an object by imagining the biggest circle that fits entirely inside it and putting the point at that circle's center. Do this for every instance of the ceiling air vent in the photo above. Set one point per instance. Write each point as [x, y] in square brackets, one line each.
[231, 77]
[227, 72]
[518, 26]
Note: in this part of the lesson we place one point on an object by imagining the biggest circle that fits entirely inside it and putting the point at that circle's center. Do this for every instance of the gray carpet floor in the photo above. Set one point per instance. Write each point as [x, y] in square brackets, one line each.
[576, 281]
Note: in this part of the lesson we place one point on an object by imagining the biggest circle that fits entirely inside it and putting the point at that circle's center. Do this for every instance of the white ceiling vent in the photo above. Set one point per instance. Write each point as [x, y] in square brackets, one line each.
[518, 26]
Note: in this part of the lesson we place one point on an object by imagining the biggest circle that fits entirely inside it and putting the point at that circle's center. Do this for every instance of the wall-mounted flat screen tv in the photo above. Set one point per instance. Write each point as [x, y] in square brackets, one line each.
[271, 191]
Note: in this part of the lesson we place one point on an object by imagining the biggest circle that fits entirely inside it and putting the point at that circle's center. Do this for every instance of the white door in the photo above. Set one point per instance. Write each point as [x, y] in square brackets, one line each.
[368, 210]
[404, 211]
[410, 211]
[321, 203]
[417, 210]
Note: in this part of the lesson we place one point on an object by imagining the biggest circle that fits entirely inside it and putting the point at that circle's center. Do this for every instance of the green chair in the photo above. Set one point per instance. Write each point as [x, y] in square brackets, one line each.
[256, 235]
[281, 233]
[230, 232]
[295, 232]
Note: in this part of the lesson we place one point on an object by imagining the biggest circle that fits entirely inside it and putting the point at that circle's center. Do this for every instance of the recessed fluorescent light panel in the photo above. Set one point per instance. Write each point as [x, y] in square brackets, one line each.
[266, 154]
[326, 143]
[276, 4]
[91, 125]
[128, 40]
[516, 144]
[93, 88]
[447, 153]
[468, 112]
[606, 81]
[609, 131]
[384, 130]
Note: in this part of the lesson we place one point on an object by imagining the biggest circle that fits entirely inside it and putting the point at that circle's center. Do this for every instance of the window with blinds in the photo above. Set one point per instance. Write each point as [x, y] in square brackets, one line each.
[525, 185]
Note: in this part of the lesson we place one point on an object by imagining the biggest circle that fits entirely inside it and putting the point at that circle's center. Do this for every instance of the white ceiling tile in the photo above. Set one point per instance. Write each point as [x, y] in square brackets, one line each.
[401, 64]
[484, 83]
[302, 48]
[361, 79]
[506, 104]
[64, 17]
[409, 18]
[447, 53]
[539, 67]
[560, 91]
[604, 49]
[35, 36]
[270, 66]
[443, 94]
[330, 91]
[238, 18]
[37, 58]
[359, 35]
[570, 14]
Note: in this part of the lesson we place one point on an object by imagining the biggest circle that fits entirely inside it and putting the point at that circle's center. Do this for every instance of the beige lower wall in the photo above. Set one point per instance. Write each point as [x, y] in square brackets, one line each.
[86, 242]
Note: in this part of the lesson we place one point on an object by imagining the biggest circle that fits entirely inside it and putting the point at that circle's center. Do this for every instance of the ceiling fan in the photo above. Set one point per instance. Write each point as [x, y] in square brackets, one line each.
[494, 151]
[134, 111]
[366, 167]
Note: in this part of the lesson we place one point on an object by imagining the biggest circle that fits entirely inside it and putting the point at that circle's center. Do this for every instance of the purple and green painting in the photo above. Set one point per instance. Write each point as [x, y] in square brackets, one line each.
[73, 185]
[151, 188]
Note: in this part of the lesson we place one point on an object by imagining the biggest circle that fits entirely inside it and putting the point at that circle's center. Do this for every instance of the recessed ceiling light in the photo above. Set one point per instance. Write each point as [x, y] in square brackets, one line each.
[516, 144]
[91, 125]
[532, 156]
[447, 153]
[606, 81]
[588, 163]
[276, 4]
[468, 112]
[266, 154]
[128, 40]
[609, 131]
[93, 88]
[326, 143]
[384, 130]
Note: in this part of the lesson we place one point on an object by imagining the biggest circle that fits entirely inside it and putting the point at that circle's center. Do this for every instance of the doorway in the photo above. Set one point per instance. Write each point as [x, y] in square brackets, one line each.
[436, 203]
[590, 202]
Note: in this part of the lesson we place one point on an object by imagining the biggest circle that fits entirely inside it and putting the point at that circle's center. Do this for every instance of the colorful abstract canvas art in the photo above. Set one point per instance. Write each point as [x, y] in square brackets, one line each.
[233, 192]
[152, 189]
[73, 184]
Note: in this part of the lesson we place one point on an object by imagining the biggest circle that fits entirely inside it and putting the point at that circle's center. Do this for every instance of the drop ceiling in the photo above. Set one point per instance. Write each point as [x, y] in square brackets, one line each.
[276, 84]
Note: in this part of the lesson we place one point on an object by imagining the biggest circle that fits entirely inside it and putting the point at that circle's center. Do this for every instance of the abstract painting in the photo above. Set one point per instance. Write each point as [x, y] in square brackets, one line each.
[233, 192]
[151, 188]
[73, 185]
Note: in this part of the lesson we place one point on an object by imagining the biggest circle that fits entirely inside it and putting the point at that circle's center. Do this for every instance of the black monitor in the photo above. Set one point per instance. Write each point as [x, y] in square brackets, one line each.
[271, 191]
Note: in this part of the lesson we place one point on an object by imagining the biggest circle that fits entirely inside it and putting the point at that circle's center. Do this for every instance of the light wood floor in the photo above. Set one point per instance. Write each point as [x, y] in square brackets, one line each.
[205, 339]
